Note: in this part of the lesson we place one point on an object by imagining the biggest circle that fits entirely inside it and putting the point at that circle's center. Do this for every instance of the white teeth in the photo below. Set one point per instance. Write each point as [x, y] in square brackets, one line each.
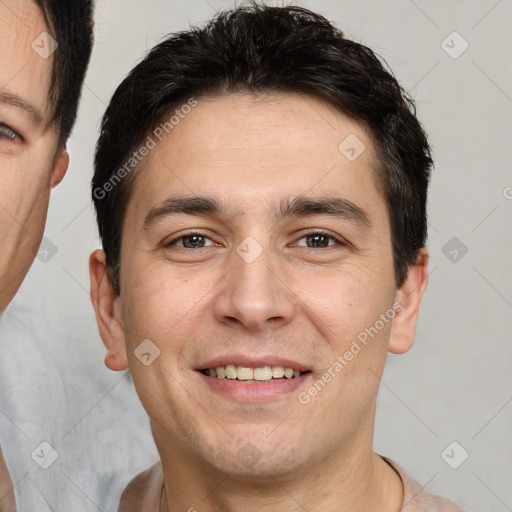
[277, 372]
[231, 371]
[244, 373]
[264, 373]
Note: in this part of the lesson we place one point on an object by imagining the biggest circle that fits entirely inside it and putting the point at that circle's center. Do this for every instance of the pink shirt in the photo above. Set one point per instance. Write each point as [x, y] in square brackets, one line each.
[144, 492]
[417, 499]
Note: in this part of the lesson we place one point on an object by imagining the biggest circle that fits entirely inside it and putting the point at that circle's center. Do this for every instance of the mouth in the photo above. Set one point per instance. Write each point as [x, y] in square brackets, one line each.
[248, 380]
[253, 375]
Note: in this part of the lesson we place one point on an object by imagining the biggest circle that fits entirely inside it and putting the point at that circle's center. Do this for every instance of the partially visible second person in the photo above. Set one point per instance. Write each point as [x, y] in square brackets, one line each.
[44, 52]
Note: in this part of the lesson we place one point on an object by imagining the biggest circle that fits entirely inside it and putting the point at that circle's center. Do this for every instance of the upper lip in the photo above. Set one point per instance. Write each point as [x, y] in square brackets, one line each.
[249, 361]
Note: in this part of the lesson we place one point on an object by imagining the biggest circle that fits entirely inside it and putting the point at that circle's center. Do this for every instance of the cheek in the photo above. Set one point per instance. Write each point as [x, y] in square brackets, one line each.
[14, 178]
[345, 308]
[26, 175]
[343, 305]
[346, 311]
[158, 302]
[24, 194]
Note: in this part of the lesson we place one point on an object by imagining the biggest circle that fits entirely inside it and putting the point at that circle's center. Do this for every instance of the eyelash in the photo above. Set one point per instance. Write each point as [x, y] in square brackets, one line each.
[8, 133]
[337, 241]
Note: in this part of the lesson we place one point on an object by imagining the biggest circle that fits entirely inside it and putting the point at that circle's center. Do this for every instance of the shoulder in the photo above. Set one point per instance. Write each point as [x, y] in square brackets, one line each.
[143, 493]
[417, 499]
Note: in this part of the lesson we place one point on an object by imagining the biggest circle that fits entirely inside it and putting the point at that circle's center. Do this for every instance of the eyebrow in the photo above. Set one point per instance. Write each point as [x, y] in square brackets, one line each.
[195, 205]
[305, 206]
[299, 206]
[17, 102]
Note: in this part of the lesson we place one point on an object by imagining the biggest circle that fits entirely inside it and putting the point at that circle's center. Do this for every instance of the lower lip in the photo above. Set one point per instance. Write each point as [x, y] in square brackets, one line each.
[253, 392]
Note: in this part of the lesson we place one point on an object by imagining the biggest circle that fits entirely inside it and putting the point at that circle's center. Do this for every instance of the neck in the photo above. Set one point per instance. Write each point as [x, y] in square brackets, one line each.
[352, 481]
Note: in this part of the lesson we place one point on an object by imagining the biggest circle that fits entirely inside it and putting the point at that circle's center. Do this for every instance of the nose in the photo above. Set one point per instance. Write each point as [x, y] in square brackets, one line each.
[255, 296]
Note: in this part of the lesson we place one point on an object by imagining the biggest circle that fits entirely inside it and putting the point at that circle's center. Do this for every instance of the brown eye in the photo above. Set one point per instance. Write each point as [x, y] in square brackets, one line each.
[191, 241]
[318, 241]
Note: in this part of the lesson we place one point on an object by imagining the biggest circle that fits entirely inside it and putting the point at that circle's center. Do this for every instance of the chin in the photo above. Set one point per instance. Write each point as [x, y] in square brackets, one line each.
[257, 460]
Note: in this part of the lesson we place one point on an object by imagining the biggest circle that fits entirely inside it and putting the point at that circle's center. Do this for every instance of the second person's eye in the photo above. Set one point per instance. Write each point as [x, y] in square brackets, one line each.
[8, 133]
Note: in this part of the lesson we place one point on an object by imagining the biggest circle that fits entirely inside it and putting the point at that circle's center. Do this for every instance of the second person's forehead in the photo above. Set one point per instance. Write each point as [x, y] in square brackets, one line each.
[26, 52]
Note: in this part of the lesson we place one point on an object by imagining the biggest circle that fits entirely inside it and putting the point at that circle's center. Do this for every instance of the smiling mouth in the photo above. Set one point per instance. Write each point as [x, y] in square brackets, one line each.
[249, 375]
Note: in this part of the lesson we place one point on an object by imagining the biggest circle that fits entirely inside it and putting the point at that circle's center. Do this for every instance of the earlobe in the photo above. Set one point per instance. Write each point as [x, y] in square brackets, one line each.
[107, 306]
[409, 297]
[60, 167]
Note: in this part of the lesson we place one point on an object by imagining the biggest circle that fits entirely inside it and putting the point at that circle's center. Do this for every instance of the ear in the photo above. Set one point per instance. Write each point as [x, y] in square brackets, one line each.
[107, 306]
[409, 297]
[60, 166]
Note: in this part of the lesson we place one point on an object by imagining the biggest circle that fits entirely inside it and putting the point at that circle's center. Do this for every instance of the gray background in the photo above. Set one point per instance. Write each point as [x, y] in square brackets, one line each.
[454, 385]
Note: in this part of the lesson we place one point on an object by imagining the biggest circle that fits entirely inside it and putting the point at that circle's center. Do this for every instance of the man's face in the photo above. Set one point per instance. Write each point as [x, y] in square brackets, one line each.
[29, 161]
[284, 261]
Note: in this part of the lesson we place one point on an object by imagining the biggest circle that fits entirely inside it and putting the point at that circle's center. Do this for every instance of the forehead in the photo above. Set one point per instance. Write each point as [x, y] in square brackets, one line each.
[25, 52]
[247, 145]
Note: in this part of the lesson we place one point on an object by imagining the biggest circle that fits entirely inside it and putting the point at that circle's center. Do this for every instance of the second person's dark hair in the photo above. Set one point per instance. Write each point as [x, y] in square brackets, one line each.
[70, 23]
